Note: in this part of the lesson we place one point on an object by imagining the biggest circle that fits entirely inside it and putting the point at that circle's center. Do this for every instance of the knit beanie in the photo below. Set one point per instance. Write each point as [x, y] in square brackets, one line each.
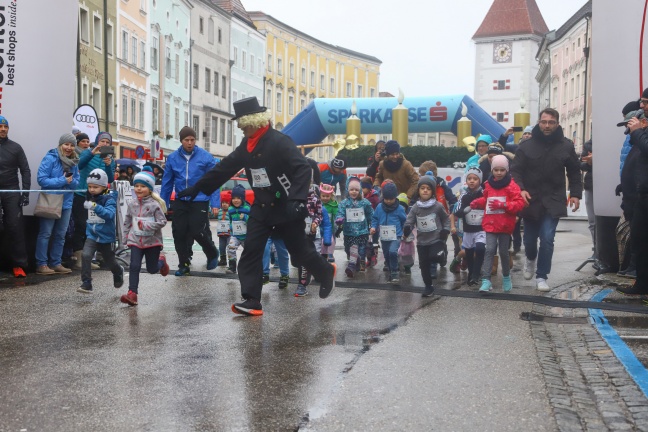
[528, 129]
[645, 93]
[103, 135]
[392, 147]
[390, 191]
[238, 192]
[338, 163]
[476, 171]
[187, 131]
[145, 177]
[3, 121]
[354, 180]
[97, 177]
[500, 161]
[75, 130]
[366, 183]
[81, 137]
[494, 149]
[402, 197]
[67, 138]
[382, 185]
[485, 138]
[427, 179]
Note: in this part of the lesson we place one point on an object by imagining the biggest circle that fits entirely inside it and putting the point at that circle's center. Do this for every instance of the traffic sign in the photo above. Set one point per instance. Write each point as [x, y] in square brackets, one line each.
[139, 152]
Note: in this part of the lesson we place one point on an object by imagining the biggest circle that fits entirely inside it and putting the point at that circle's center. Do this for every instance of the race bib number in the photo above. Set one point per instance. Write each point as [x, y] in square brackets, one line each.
[492, 199]
[426, 223]
[355, 215]
[93, 218]
[387, 232]
[260, 178]
[239, 228]
[142, 232]
[222, 227]
[475, 217]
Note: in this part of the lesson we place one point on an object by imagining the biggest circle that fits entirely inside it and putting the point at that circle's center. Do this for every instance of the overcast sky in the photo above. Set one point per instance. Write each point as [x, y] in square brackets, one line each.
[425, 45]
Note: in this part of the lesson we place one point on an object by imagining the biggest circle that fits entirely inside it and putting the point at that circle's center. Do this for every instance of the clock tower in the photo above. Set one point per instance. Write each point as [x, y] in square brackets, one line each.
[506, 44]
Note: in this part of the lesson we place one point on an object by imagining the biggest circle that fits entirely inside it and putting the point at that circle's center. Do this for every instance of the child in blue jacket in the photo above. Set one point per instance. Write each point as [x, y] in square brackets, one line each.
[238, 213]
[388, 220]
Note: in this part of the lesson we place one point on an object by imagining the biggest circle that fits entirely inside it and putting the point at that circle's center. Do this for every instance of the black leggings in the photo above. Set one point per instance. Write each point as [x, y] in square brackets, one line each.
[153, 264]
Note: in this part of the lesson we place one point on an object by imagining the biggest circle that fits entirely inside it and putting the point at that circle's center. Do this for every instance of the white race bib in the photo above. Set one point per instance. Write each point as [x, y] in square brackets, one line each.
[355, 215]
[93, 218]
[387, 232]
[490, 200]
[139, 232]
[239, 228]
[260, 178]
[475, 217]
[222, 227]
[426, 223]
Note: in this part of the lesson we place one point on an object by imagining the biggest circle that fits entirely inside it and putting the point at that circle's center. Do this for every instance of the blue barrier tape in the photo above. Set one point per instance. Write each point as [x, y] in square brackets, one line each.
[625, 355]
[43, 190]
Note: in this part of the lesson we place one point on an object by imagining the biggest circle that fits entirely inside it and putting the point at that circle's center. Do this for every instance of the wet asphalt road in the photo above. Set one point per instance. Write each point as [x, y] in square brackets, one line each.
[360, 360]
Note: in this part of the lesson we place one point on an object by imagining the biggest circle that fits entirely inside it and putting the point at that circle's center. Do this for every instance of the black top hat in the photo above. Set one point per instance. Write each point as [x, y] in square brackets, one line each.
[247, 106]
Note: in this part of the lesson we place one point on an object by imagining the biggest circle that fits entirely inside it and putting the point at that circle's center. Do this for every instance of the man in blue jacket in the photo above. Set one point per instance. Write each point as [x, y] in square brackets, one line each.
[184, 167]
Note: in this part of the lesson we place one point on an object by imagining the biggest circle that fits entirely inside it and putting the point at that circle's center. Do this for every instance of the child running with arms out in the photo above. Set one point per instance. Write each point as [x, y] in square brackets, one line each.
[143, 232]
[388, 220]
[100, 230]
[327, 193]
[353, 217]
[312, 224]
[238, 214]
[474, 237]
[502, 202]
[223, 231]
[433, 227]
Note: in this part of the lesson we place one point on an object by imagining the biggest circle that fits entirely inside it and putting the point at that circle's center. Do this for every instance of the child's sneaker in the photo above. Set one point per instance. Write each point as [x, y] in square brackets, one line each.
[454, 265]
[428, 291]
[331, 258]
[164, 267]
[266, 279]
[363, 267]
[385, 268]
[394, 279]
[350, 270]
[486, 285]
[283, 281]
[85, 288]
[507, 285]
[408, 269]
[301, 291]
[129, 298]
[223, 261]
[232, 267]
[374, 261]
[118, 278]
[183, 270]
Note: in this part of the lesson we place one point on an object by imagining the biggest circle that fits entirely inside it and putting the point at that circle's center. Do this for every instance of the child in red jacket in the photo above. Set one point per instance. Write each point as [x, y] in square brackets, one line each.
[502, 201]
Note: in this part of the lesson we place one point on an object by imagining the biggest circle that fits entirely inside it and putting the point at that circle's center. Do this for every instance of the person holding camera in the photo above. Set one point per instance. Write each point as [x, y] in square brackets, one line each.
[57, 171]
[374, 161]
[99, 155]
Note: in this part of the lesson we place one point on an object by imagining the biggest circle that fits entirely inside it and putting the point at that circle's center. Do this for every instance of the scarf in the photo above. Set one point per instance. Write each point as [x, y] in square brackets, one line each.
[254, 139]
[388, 208]
[68, 163]
[500, 184]
[425, 204]
[392, 166]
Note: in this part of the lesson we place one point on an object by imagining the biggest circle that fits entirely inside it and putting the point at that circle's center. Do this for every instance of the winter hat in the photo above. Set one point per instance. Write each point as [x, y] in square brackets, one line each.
[238, 192]
[145, 177]
[485, 138]
[494, 149]
[3, 121]
[81, 137]
[326, 188]
[500, 161]
[97, 177]
[338, 163]
[476, 171]
[392, 147]
[528, 129]
[354, 180]
[102, 135]
[75, 130]
[67, 138]
[186, 132]
[366, 182]
[382, 185]
[645, 93]
[402, 197]
[427, 179]
[630, 106]
[390, 191]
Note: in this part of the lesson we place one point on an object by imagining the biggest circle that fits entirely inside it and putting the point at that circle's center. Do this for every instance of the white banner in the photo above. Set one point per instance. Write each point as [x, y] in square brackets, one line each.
[37, 69]
[86, 119]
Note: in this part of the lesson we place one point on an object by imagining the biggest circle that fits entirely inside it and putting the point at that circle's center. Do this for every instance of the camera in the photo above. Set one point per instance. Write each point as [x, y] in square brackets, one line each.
[107, 151]
[68, 174]
[383, 154]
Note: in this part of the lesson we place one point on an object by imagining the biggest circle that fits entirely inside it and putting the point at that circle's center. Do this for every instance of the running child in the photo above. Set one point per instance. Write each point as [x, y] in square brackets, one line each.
[238, 214]
[312, 224]
[331, 205]
[353, 217]
[223, 231]
[474, 237]
[387, 221]
[374, 198]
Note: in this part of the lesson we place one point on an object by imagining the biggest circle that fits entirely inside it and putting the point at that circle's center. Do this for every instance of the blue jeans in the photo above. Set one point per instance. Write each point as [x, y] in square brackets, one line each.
[153, 264]
[390, 251]
[51, 236]
[282, 256]
[545, 230]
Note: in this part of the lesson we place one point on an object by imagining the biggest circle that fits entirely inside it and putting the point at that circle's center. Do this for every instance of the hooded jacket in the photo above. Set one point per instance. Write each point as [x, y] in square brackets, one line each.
[183, 170]
[101, 219]
[148, 211]
[436, 214]
[327, 177]
[374, 198]
[238, 214]
[88, 162]
[395, 217]
[470, 222]
[326, 228]
[354, 229]
[588, 181]
[539, 168]
[404, 176]
[52, 176]
[498, 221]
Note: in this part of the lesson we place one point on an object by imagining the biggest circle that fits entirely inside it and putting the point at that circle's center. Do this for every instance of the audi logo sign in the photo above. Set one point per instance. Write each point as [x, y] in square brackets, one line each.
[85, 118]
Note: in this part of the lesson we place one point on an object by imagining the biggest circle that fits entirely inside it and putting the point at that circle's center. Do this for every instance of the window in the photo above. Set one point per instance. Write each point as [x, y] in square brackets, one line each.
[322, 82]
[372, 92]
[348, 89]
[501, 85]
[229, 132]
[154, 54]
[177, 69]
[220, 35]
[578, 84]
[124, 119]
[154, 112]
[565, 93]
[268, 101]
[97, 32]
[111, 107]
[279, 102]
[235, 56]
[195, 76]
[292, 70]
[177, 120]
[251, 64]
[167, 63]
[186, 118]
[133, 113]
[216, 81]
[555, 58]
[222, 131]
[359, 91]
[332, 88]
[234, 97]
[269, 62]
[201, 25]
[571, 89]
[84, 23]
[210, 31]
[167, 118]
[578, 43]
[96, 100]
[142, 54]
[244, 60]
[134, 53]
[141, 115]
[279, 67]
[84, 93]
[302, 104]
[214, 129]
[196, 124]
[500, 117]
[186, 79]
[303, 76]
[207, 80]
[291, 105]
[312, 79]
[110, 36]
[224, 87]
[124, 45]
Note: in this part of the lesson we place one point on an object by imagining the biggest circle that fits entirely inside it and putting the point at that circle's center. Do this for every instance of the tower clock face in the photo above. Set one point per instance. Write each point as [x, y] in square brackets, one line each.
[502, 53]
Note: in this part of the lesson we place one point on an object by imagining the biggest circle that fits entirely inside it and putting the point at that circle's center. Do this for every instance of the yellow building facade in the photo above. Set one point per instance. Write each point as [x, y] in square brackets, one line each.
[300, 68]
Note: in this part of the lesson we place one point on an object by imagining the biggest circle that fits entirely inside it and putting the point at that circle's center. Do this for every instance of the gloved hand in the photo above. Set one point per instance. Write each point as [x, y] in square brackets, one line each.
[618, 190]
[191, 192]
[338, 231]
[296, 210]
[407, 230]
[444, 235]
[496, 205]
[89, 205]
[24, 201]
[339, 221]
